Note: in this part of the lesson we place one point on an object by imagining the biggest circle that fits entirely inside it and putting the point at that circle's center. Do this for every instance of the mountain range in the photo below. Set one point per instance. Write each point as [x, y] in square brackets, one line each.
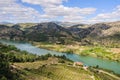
[107, 34]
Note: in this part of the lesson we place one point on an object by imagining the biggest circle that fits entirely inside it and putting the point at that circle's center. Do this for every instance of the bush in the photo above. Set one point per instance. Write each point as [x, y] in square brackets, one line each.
[3, 78]
[5, 70]
[61, 61]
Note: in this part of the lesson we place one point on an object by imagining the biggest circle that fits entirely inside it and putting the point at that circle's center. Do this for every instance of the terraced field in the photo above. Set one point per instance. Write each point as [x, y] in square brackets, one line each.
[59, 72]
[44, 70]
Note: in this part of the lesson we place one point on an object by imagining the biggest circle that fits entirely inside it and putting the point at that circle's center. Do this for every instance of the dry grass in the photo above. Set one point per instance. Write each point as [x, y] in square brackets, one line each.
[59, 71]
[115, 50]
[63, 71]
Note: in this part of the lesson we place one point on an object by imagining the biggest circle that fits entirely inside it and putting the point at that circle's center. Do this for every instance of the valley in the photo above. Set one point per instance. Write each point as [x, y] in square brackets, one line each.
[96, 46]
[25, 66]
[59, 39]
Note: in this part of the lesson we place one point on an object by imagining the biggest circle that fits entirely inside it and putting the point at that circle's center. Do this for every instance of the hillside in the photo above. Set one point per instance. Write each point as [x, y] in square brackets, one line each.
[104, 34]
[43, 32]
[27, 25]
[49, 32]
[107, 34]
[13, 33]
[20, 65]
[80, 31]
[60, 71]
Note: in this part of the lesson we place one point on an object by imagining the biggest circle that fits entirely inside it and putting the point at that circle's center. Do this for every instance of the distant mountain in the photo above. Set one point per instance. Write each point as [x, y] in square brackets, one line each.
[80, 26]
[107, 34]
[65, 24]
[50, 32]
[80, 32]
[26, 25]
[104, 34]
[5, 23]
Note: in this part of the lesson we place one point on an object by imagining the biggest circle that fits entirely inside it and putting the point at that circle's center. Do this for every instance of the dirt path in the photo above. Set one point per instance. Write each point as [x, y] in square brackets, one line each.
[112, 75]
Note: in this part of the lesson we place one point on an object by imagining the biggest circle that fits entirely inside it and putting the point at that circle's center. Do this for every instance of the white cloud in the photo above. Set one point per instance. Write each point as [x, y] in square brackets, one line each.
[13, 11]
[54, 8]
[73, 18]
[10, 10]
[64, 11]
[45, 3]
[106, 17]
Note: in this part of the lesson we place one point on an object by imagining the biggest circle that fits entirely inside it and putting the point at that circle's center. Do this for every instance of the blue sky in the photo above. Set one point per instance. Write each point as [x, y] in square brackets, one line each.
[82, 11]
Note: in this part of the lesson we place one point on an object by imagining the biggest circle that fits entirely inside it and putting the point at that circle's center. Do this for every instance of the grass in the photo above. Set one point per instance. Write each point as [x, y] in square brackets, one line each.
[101, 52]
[44, 70]
[94, 51]
[60, 47]
[36, 71]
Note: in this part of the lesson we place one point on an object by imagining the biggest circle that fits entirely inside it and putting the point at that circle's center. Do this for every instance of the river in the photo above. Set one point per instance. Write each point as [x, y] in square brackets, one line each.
[87, 60]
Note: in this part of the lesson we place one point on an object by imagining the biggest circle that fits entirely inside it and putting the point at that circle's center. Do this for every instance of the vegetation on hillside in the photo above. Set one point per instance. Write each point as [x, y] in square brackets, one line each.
[94, 40]
[47, 70]
[20, 65]
[95, 51]
[101, 52]
[107, 34]
[10, 54]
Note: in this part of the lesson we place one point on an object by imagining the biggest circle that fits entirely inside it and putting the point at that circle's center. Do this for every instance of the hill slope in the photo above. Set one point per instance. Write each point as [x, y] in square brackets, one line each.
[49, 32]
[20, 65]
[107, 34]
[10, 33]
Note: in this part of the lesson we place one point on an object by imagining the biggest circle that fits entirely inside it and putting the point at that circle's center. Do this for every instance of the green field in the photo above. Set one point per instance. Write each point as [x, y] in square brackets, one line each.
[94, 51]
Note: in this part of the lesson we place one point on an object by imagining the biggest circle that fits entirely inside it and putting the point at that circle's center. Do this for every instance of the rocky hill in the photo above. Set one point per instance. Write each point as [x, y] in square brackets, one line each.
[45, 32]
[49, 32]
[107, 34]
[10, 33]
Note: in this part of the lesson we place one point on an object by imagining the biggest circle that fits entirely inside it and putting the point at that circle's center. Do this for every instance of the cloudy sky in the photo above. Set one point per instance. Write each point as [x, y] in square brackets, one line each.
[82, 11]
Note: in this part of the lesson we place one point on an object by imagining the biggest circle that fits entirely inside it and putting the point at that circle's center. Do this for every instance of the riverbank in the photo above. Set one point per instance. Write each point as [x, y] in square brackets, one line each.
[94, 51]
[87, 60]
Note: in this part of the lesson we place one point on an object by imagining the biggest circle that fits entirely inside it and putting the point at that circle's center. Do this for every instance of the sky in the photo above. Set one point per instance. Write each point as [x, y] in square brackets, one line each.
[82, 11]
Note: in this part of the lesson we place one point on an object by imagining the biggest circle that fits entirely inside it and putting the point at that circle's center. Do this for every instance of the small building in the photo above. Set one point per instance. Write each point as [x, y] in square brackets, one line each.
[85, 68]
[77, 64]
